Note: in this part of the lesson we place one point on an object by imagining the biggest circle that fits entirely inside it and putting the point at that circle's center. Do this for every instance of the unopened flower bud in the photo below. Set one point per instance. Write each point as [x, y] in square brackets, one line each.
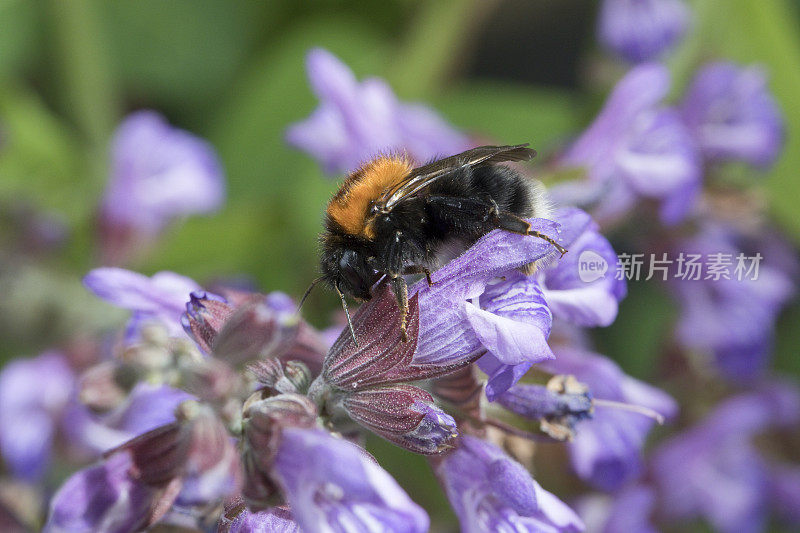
[205, 315]
[99, 387]
[293, 376]
[195, 449]
[261, 328]
[263, 421]
[405, 415]
[210, 379]
[298, 374]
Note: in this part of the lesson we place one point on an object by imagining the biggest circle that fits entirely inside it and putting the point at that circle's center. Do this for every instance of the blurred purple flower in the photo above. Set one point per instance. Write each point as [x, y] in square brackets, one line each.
[733, 116]
[146, 407]
[33, 395]
[568, 287]
[159, 173]
[489, 491]
[102, 498]
[356, 121]
[733, 319]
[641, 30]
[607, 449]
[469, 310]
[331, 481]
[714, 471]
[637, 148]
[626, 511]
[161, 298]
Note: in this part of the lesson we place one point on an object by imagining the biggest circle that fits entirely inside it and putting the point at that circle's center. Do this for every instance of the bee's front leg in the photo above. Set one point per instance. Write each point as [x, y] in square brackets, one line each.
[400, 290]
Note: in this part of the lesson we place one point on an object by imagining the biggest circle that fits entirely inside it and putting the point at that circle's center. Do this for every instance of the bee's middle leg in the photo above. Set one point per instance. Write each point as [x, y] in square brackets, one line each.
[419, 269]
[400, 289]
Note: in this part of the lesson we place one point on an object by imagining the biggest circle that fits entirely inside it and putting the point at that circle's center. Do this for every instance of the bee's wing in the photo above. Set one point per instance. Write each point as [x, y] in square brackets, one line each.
[421, 177]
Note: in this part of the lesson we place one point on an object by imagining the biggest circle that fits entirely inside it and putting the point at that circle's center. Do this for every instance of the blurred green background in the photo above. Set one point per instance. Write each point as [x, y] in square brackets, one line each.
[233, 72]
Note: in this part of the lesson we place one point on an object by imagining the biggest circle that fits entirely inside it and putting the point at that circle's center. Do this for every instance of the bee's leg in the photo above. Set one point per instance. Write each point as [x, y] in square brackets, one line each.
[484, 211]
[400, 290]
[515, 224]
[419, 269]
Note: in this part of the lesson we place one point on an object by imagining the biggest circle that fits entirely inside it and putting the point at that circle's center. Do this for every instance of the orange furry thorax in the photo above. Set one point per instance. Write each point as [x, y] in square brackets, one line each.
[348, 207]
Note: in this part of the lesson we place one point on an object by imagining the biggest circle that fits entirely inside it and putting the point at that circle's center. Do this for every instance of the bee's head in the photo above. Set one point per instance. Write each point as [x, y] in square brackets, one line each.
[347, 270]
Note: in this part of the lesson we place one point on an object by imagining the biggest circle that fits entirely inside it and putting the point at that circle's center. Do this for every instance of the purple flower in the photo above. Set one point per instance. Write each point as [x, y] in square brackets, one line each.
[356, 121]
[332, 484]
[33, 395]
[103, 498]
[489, 491]
[732, 318]
[713, 470]
[733, 116]
[629, 510]
[574, 292]
[607, 449]
[161, 298]
[641, 30]
[272, 520]
[470, 309]
[146, 407]
[159, 173]
[557, 411]
[637, 149]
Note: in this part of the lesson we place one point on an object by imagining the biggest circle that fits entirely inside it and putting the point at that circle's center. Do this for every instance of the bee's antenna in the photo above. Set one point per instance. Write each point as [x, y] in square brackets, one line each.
[646, 411]
[308, 291]
[347, 314]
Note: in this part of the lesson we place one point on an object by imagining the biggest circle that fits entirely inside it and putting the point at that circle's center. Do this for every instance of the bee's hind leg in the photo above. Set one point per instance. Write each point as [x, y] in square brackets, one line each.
[400, 290]
[515, 224]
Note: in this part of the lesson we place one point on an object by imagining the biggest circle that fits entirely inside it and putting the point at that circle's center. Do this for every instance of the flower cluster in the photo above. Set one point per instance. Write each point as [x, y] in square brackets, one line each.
[217, 407]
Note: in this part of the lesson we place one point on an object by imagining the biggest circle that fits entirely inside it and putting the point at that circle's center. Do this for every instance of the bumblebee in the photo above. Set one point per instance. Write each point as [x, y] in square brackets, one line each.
[391, 219]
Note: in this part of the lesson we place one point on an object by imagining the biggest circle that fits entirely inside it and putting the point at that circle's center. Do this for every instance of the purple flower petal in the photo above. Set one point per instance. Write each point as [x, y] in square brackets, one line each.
[573, 291]
[489, 491]
[607, 449]
[732, 320]
[733, 115]
[636, 148]
[629, 511]
[356, 121]
[713, 470]
[160, 173]
[101, 498]
[33, 394]
[641, 30]
[161, 298]
[272, 520]
[331, 481]
[147, 407]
